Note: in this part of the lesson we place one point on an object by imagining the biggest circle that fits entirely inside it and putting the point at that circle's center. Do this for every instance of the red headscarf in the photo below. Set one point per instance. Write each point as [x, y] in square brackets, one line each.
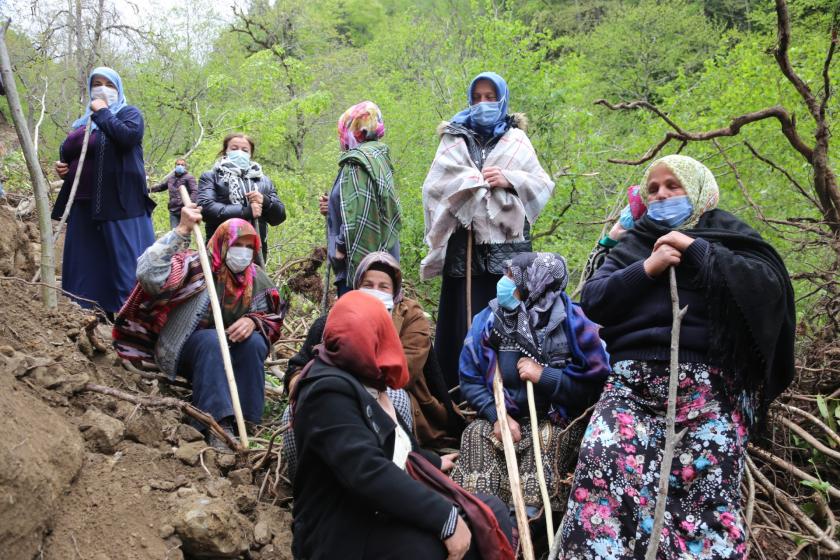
[360, 338]
[235, 290]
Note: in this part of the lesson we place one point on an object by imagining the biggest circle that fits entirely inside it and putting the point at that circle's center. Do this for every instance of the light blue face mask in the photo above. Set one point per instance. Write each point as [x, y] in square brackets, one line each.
[180, 170]
[505, 289]
[671, 212]
[239, 158]
[486, 113]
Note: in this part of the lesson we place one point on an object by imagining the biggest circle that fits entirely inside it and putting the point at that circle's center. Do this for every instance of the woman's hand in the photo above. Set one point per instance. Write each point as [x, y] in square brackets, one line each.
[339, 255]
[256, 209]
[459, 543]
[529, 370]
[447, 462]
[617, 231]
[675, 239]
[241, 329]
[255, 199]
[97, 105]
[61, 169]
[495, 178]
[515, 432]
[323, 204]
[190, 216]
[661, 259]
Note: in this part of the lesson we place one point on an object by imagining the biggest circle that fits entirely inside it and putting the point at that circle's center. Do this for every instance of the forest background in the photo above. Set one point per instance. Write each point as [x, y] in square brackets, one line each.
[284, 71]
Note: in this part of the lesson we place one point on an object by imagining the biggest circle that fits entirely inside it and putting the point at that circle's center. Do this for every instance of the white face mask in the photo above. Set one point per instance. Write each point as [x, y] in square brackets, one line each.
[386, 298]
[238, 258]
[105, 93]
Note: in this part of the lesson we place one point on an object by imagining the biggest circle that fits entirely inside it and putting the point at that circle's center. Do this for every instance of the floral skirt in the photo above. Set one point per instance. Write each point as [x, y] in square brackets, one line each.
[611, 506]
[481, 466]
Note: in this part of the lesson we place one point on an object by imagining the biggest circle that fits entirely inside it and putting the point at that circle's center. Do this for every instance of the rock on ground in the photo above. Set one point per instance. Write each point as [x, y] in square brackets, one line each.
[211, 528]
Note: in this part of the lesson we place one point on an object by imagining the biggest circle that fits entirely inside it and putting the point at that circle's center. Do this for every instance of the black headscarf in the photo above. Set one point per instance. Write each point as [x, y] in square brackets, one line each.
[753, 314]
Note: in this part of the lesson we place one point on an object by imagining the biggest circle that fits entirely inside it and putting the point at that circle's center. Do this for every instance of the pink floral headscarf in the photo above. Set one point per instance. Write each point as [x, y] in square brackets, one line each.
[360, 123]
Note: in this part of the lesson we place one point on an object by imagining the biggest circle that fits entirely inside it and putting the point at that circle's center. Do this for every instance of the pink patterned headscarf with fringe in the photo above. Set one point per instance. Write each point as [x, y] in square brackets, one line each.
[234, 290]
[360, 123]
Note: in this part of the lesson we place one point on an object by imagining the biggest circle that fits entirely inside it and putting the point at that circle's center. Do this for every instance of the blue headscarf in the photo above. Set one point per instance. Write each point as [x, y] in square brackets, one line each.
[502, 94]
[115, 108]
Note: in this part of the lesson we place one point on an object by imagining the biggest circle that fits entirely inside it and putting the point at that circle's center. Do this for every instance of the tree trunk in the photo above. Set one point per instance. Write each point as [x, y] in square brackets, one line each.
[39, 182]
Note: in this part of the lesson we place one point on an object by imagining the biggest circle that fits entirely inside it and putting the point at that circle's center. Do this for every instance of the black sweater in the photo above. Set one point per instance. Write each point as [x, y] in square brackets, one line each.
[635, 309]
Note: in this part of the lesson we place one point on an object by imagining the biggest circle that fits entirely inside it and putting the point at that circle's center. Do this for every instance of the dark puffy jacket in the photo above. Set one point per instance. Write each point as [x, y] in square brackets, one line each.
[490, 258]
[214, 199]
[119, 191]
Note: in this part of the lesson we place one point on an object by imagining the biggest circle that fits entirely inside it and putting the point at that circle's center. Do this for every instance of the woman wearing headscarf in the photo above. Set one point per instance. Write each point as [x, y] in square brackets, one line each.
[168, 319]
[424, 404]
[533, 332]
[735, 357]
[363, 489]
[486, 178]
[362, 209]
[237, 188]
[110, 223]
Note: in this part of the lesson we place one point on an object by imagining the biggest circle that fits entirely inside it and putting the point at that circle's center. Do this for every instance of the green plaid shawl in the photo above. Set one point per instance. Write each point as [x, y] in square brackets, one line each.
[370, 208]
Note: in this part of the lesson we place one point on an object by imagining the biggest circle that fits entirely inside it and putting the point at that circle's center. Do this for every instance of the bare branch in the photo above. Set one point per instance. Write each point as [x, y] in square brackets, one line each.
[37, 132]
[826, 66]
[784, 172]
[782, 58]
[777, 112]
[200, 133]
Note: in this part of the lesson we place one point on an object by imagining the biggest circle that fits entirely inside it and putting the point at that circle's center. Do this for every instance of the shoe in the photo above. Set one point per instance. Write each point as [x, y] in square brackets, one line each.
[217, 443]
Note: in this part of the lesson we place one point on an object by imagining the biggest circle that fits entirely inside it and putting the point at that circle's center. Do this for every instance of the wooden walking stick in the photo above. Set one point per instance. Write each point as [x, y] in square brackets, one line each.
[671, 439]
[512, 467]
[535, 435]
[469, 277]
[325, 297]
[220, 327]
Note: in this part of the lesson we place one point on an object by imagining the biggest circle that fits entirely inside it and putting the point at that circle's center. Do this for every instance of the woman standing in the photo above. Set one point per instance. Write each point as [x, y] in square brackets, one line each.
[237, 188]
[735, 357]
[534, 332]
[485, 178]
[362, 210]
[110, 223]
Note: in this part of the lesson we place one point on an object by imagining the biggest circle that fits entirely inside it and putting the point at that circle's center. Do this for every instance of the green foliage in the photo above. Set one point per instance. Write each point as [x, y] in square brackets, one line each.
[284, 71]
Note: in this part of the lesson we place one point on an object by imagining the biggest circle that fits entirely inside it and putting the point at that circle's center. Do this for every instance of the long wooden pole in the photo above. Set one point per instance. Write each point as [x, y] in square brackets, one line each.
[39, 182]
[220, 327]
[671, 438]
[535, 436]
[512, 467]
[469, 277]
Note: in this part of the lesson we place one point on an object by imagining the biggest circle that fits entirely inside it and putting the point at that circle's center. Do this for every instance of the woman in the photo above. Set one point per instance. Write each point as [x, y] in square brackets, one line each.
[533, 332]
[237, 188]
[424, 405]
[110, 223]
[168, 317]
[357, 492]
[735, 357]
[362, 210]
[485, 178]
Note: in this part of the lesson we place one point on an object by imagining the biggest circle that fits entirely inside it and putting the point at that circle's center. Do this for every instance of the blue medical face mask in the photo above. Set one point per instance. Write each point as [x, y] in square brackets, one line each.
[239, 158]
[180, 170]
[671, 212]
[505, 289]
[486, 113]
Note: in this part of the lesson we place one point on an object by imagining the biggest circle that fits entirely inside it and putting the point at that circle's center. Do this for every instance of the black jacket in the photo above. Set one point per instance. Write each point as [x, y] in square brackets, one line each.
[346, 482]
[216, 207]
[120, 191]
[486, 258]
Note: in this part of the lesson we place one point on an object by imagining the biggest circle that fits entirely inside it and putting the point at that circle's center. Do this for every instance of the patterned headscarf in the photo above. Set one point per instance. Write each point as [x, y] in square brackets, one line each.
[234, 290]
[380, 260]
[112, 75]
[540, 278]
[697, 180]
[360, 123]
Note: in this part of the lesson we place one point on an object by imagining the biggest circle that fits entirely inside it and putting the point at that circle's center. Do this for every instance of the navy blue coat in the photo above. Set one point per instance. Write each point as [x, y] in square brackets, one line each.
[120, 191]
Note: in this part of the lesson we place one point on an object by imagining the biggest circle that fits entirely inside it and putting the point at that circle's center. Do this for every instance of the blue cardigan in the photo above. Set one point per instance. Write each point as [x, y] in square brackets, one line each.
[120, 191]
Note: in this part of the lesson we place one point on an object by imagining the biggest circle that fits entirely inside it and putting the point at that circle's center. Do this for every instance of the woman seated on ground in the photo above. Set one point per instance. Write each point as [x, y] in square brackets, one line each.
[534, 333]
[424, 405]
[735, 357]
[360, 491]
[237, 188]
[168, 317]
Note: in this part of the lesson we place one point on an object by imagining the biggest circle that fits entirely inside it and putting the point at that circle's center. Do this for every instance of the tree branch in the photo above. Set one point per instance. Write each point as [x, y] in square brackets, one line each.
[777, 112]
[781, 55]
[784, 172]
